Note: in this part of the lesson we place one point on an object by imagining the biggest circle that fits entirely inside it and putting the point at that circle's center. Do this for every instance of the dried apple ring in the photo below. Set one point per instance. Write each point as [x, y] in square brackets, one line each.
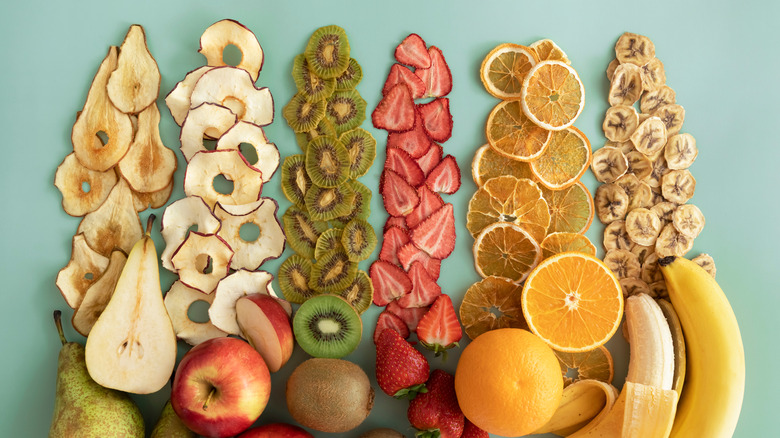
[178, 100]
[650, 137]
[202, 260]
[83, 190]
[178, 300]
[236, 285]
[626, 85]
[233, 87]
[205, 166]
[620, 122]
[83, 269]
[246, 133]
[268, 245]
[226, 32]
[177, 220]
[205, 120]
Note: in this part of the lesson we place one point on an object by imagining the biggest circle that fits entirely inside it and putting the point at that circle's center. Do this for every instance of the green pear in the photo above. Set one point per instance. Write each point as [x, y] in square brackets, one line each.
[85, 409]
[170, 425]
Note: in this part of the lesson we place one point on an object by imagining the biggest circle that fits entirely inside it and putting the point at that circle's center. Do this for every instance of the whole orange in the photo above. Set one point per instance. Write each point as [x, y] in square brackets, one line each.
[508, 382]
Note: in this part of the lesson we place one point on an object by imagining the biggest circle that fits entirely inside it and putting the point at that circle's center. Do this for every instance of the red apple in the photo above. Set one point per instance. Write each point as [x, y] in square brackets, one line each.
[221, 387]
[276, 430]
[265, 324]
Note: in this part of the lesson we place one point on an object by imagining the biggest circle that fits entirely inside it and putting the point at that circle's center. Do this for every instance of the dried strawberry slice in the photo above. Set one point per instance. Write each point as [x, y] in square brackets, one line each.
[415, 141]
[436, 235]
[413, 52]
[424, 288]
[409, 254]
[436, 119]
[439, 329]
[411, 316]
[395, 112]
[437, 78]
[429, 203]
[396, 221]
[400, 162]
[389, 281]
[400, 74]
[431, 158]
[394, 238]
[445, 178]
[399, 197]
[389, 320]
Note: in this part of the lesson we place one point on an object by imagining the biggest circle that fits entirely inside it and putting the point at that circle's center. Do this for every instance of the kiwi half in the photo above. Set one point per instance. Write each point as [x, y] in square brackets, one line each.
[327, 326]
[328, 51]
[360, 292]
[295, 179]
[329, 240]
[358, 239]
[332, 272]
[327, 162]
[346, 110]
[294, 275]
[308, 83]
[361, 204]
[303, 115]
[302, 231]
[361, 147]
[351, 76]
[327, 203]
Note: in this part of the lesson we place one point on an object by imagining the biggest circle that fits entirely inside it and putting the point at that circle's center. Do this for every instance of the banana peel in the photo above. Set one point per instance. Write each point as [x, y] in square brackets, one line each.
[582, 402]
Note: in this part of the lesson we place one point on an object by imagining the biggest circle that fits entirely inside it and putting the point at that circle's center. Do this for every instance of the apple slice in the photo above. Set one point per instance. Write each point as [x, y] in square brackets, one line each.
[178, 300]
[236, 285]
[206, 120]
[246, 133]
[102, 133]
[157, 199]
[240, 209]
[135, 83]
[264, 323]
[205, 166]
[226, 32]
[177, 220]
[178, 100]
[269, 243]
[148, 165]
[115, 224]
[234, 88]
[83, 270]
[99, 293]
[202, 260]
[83, 189]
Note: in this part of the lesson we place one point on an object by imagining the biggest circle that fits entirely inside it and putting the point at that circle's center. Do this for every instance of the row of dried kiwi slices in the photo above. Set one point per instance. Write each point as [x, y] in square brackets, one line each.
[327, 224]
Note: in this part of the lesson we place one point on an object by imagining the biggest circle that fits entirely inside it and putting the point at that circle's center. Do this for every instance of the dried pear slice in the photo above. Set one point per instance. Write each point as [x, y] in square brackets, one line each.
[178, 100]
[620, 122]
[148, 165]
[206, 166]
[82, 271]
[643, 226]
[680, 151]
[223, 33]
[294, 275]
[707, 262]
[234, 88]
[177, 220]
[311, 86]
[658, 171]
[102, 133]
[671, 242]
[98, 294]
[688, 220]
[135, 83]
[302, 232]
[611, 203]
[202, 260]
[295, 179]
[626, 87]
[616, 236]
[222, 312]
[673, 116]
[652, 100]
[638, 164]
[664, 211]
[114, 224]
[205, 120]
[608, 164]
[269, 243]
[633, 286]
[157, 199]
[653, 75]
[678, 186]
[83, 190]
[650, 137]
[623, 263]
[267, 155]
[333, 272]
[178, 300]
[635, 49]
[361, 147]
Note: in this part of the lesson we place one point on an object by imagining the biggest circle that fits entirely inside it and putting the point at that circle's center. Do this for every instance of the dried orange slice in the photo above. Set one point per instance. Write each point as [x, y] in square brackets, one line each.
[564, 160]
[573, 302]
[490, 304]
[506, 250]
[595, 364]
[489, 164]
[556, 243]
[511, 133]
[506, 199]
[571, 209]
[547, 50]
[504, 68]
[553, 95]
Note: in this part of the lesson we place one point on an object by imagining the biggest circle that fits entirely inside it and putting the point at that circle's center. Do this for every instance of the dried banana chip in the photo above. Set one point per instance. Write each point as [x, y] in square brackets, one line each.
[643, 117]
[642, 252]
[643, 226]
[672, 243]
[624, 146]
[650, 136]
[629, 183]
[633, 286]
[608, 164]
[652, 100]
[658, 289]
[653, 75]
[658, 197]
[626, 85]
[688, 220]
[611, 203]
[635, 49]
[651, 273]
[620, 122]
[659, 171]
[680, 151]
[707, 262]
[678, 186]
[623, 263]
[642, 197]
[638, 164]
[616, 237]
[611, 69]
[664, 211]
[673, 116]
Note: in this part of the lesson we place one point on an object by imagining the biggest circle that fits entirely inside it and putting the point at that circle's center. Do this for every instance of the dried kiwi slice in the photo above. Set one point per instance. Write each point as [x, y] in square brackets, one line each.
[346, 110]
[308, 83]
[295, 180]
[327, 326]
[360, 293]
[351, 76]
[361, 205]
[361, 147]
[325, 127]
[358, 239]
[327, 203]
[332, 272]
[294, 275]
[329, 240]
[328, 51]
[327, 162]
[303, 115]
[302, 231]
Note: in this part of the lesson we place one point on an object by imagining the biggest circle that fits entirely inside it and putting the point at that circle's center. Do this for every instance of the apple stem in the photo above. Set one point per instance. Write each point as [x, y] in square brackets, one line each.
[58, 323]
[149, 223]
[208, 399]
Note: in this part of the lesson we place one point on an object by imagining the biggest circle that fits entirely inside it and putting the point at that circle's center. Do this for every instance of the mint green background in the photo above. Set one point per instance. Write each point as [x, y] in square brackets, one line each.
[720, 57]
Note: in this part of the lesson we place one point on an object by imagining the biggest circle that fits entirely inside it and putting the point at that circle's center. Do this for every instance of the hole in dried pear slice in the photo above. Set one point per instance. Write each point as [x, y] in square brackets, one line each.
[236, 285]
[98, 294]
[157, 199]
[178, 100]
[207, 165]
[115, 224]
[206, 120]
[225, 33]
[268, 245]
[178, 301]
[83, 190]
[74, 279]
[232, 87]
[266, 154]
[190, 263]
[177, 220]
[135, 83]
[148, 165]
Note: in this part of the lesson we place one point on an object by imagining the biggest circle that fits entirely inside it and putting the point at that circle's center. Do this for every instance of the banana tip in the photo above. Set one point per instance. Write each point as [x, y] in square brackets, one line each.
[665, 261]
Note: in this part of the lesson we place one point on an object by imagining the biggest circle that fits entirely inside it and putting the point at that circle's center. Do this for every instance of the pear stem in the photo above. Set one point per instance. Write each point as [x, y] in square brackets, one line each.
[58, 323]
[149, 223]
[208, 399]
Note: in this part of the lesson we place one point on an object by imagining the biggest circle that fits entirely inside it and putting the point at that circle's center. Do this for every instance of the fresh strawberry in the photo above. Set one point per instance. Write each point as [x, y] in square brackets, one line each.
[401, 370]
[431, 158]
[413, 52]
[400, 162]
[395, 112]
[436, 235]
[389, 281]
[444, 178]
[437, 413]
[439, 329]
[393, 239]
[410, 316]
[398, 196]
[424, 288]
[437, 78]
[414, 141]
[396, 221]
[429, 203]
[409, 254]
[389, 320]
[436, 119]
[472, 431]
[400, 74]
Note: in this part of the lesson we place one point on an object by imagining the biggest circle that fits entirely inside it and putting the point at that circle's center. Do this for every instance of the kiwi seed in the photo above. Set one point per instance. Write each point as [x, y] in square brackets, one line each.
[327, 326]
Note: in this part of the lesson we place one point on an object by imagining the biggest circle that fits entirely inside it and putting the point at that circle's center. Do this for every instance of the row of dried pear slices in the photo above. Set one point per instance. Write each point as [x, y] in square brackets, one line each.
[118, 168]
[644, 167]
[206, 242]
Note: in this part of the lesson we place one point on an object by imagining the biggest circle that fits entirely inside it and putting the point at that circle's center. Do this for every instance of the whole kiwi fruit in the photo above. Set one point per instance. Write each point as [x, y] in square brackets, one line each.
[329, 395]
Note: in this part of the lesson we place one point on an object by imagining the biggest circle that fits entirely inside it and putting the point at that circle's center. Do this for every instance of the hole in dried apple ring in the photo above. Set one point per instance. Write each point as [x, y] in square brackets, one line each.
[249, 232]
[235, 105]
[204, 264]
[209, 145]
[222, 185]
[249, 152]
[231, 55]
[199, 311]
